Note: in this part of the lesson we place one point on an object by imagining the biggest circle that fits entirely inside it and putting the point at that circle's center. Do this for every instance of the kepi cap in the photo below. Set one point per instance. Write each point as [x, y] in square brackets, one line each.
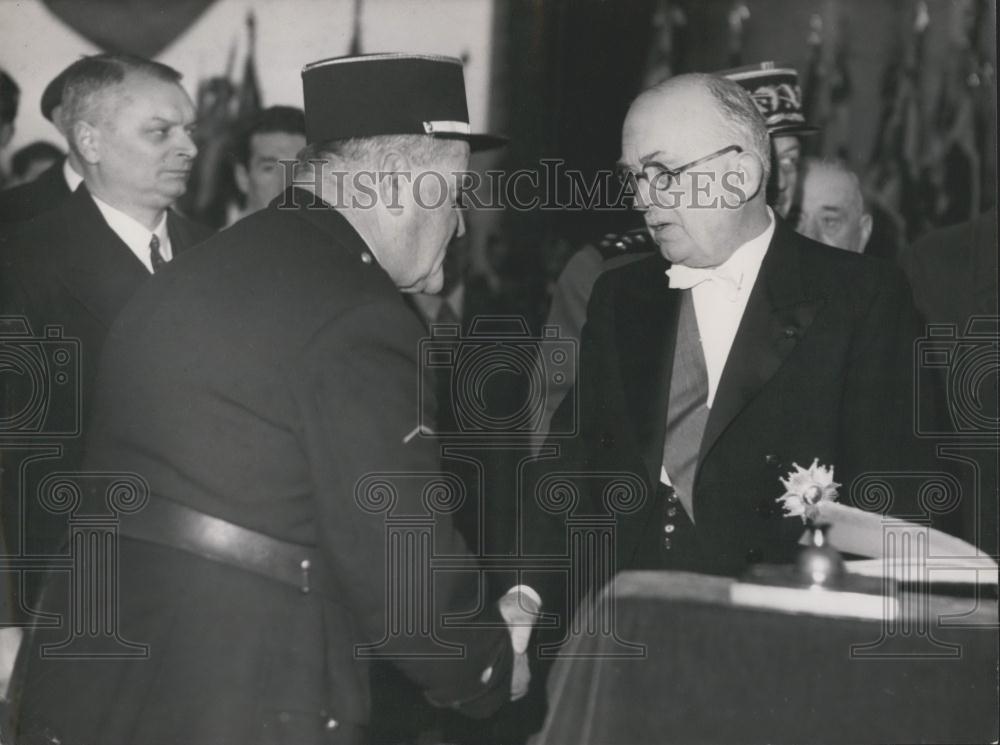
[388, 94]
[776, 91]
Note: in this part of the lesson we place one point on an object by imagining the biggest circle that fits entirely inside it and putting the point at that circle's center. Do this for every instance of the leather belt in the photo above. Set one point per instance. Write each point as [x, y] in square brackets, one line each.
[174, 525]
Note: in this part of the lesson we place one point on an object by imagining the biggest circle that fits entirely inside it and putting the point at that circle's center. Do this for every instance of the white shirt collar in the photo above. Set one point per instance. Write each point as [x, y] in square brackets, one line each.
[739, 270]
[744, 264]
[134, 234]
[72, 178]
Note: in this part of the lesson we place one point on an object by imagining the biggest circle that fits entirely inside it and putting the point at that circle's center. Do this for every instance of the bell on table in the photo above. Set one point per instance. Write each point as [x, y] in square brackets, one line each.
[819, 564]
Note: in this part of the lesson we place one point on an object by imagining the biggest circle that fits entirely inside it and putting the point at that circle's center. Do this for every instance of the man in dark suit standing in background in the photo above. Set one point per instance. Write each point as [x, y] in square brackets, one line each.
[266, 388]
[57, 182]
[742, 348]
[74, 267]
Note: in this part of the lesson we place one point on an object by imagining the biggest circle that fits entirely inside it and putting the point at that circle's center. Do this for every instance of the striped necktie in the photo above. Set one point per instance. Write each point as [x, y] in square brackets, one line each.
[155, 257]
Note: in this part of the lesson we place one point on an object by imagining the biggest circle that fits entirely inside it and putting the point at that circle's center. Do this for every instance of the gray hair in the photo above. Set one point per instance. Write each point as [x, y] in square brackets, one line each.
[88, 81]
[365, 152]
[741, 118]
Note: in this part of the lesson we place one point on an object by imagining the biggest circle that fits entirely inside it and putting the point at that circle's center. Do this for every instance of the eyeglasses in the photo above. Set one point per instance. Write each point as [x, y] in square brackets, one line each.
[661, 178]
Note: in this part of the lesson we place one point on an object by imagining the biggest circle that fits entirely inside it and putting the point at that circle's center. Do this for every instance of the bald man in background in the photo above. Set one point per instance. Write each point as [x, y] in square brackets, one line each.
[833, 209]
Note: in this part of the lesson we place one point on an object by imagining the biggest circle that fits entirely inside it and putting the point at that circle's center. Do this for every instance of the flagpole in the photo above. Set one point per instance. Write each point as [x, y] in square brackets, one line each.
[355, 45]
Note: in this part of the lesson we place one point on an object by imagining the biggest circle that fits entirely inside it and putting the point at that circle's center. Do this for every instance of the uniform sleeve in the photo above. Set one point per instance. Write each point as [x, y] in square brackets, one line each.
[359, 397]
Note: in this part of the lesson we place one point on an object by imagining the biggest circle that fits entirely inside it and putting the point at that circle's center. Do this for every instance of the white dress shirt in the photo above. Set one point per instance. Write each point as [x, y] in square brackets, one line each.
[720, 296]
[135, 235]
[72, 178]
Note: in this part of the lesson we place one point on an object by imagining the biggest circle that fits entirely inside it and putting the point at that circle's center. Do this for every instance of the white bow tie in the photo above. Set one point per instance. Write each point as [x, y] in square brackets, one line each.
[685, 277]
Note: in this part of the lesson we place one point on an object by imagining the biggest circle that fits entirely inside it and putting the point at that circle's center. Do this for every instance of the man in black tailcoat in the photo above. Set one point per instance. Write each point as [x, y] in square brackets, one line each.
[265, 388]
[708, 370]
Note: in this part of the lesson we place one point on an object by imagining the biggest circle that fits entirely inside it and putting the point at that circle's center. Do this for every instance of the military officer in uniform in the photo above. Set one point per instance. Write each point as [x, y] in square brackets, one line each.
[266, 390]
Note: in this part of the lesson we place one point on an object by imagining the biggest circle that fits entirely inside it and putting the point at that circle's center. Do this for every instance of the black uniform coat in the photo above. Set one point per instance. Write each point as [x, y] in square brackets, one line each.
[259, 380]
[821, 367]
[21, 203]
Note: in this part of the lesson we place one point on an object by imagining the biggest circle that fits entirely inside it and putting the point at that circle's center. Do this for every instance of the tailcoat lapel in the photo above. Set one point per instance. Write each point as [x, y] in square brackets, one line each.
[646, 328]
[778, 313]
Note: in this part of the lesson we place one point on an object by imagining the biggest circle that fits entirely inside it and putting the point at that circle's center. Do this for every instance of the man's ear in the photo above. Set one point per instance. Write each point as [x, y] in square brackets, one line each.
[242, 178]
[393, 177]
[752, 174]
[866, 231]
[87, 141]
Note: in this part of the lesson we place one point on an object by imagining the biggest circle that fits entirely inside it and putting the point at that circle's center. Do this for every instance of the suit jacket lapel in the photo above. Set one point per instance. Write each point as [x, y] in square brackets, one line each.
[92, 262]
[645, 327]
[183, 233]
[779, 311]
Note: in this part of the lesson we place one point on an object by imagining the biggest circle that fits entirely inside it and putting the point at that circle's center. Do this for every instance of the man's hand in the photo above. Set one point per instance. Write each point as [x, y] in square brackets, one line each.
[10, 641]
[520, 611]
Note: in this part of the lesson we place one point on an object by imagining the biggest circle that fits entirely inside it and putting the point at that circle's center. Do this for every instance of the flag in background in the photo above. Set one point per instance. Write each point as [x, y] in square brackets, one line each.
[355, 46]
[896, 162]
[249, 99]
[224, 106]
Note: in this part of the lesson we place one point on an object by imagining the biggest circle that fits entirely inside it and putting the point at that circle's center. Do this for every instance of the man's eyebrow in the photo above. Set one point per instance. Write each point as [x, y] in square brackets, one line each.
[655, 156]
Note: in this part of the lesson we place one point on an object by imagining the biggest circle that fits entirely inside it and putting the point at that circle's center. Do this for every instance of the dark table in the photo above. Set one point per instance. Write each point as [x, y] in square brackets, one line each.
[709, 671]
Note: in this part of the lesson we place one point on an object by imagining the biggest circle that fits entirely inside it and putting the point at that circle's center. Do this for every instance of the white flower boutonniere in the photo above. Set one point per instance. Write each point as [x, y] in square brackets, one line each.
[805, 488]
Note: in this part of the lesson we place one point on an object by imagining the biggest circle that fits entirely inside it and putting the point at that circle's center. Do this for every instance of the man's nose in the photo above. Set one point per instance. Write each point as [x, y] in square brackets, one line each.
[186, 146]
[641, 201]
[460, 230]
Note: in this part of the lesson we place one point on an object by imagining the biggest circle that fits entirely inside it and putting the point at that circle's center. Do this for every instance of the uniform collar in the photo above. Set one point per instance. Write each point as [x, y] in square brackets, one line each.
[326, 217]
[72, 178]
